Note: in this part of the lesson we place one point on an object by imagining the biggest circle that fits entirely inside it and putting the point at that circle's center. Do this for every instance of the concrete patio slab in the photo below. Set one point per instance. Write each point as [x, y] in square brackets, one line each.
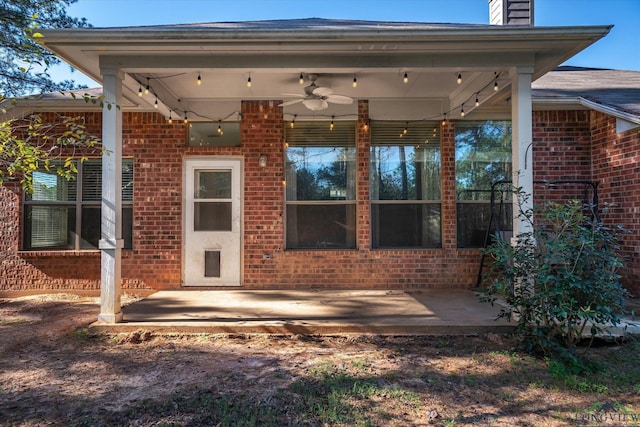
[427, 312]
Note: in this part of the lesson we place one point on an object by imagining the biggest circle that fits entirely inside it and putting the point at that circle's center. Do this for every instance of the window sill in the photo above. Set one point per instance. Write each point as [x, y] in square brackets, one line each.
[94, 253]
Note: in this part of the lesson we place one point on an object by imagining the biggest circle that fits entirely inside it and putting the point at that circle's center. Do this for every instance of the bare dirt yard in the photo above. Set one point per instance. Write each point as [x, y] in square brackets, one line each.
[53, 372]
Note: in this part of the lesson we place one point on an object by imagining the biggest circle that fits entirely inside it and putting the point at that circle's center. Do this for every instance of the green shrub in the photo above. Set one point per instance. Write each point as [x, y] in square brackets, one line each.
[560, 281]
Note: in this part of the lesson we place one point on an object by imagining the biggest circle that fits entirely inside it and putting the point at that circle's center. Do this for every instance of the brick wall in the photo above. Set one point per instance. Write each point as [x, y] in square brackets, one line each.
[616, 167]
[155, 262]
[562, 149]
[362, 268]
[262, 133]
[21, 271]
[584, 145]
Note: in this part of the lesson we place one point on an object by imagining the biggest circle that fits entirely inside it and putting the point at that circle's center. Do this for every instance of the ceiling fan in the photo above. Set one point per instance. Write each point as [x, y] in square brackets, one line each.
[316, 97]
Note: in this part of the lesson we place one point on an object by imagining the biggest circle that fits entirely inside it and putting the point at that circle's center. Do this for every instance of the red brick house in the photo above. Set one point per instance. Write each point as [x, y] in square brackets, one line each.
[313, 154]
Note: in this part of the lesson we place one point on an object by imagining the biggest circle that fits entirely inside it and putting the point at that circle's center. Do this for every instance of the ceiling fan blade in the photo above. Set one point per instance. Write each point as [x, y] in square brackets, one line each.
[322, 91]
[295, 95]
[315, 104]
[293, 101]
[339, 99]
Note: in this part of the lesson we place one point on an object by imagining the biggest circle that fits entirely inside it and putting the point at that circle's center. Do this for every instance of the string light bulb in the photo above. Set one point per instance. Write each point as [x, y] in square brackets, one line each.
[365, 126]
[147, 89]
[140, 91]
[406, 129]
[444, 120]
[249, 81]
[355, 81]
[495, 85]
[155, 104]
[199, 80]
[220, 131]
[301, 79]
[405, 79]
[186, 119]
[331, 125]
[293, 122]
[459, 79]
[477, 100]
[462, 111]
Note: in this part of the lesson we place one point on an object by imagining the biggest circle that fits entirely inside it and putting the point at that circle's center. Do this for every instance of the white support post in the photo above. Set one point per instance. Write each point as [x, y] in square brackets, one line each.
[111, 243]
[521, 148]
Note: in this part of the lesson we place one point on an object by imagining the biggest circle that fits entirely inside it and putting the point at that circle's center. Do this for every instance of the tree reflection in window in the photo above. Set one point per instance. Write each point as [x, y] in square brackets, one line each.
[483, 156]
[321, 190]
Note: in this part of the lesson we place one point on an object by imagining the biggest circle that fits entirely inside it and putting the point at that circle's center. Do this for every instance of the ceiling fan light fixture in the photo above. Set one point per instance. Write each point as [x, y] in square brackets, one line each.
[315, 104]
[316, 98]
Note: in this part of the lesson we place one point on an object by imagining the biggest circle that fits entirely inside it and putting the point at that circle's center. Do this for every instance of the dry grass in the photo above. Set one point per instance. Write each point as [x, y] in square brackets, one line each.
[52, 372]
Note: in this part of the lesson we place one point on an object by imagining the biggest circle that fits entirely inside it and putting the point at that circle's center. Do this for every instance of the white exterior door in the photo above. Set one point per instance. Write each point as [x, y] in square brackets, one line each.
[212, 248]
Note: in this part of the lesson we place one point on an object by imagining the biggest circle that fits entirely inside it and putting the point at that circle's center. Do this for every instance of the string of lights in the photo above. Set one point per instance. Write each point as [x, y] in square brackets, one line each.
[473, 101]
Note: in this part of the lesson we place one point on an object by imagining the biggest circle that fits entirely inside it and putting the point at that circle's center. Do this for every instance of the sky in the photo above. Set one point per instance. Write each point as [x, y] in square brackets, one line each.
[618, 50]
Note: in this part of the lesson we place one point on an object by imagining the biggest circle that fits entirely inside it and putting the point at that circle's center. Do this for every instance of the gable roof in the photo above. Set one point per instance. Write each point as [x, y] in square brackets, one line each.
[615, 92]
[273, 53]
[317, 24]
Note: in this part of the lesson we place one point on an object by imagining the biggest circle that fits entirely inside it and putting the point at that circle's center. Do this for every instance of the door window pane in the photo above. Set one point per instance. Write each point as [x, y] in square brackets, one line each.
[212, 216]
[212, 184]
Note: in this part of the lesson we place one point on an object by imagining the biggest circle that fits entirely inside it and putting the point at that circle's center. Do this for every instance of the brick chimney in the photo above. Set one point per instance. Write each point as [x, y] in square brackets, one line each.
[511, 12]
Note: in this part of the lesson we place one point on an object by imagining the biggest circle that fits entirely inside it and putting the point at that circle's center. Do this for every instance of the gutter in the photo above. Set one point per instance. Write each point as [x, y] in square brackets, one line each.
[106, 36]
[612, 111]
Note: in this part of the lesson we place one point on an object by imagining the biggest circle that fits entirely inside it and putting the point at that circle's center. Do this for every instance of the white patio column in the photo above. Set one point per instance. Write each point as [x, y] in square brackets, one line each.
[111, 242]
[522, 137]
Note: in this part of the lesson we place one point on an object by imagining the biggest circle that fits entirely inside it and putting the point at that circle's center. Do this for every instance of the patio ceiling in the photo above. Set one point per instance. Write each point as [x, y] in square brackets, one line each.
[274, 53]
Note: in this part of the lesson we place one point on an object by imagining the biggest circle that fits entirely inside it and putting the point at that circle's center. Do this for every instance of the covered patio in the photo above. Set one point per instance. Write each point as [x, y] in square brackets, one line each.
[265, 76]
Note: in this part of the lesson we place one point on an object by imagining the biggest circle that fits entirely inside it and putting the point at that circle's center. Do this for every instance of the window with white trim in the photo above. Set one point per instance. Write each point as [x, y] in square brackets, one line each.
[65, 214]
[320, 185]
[405, 185]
